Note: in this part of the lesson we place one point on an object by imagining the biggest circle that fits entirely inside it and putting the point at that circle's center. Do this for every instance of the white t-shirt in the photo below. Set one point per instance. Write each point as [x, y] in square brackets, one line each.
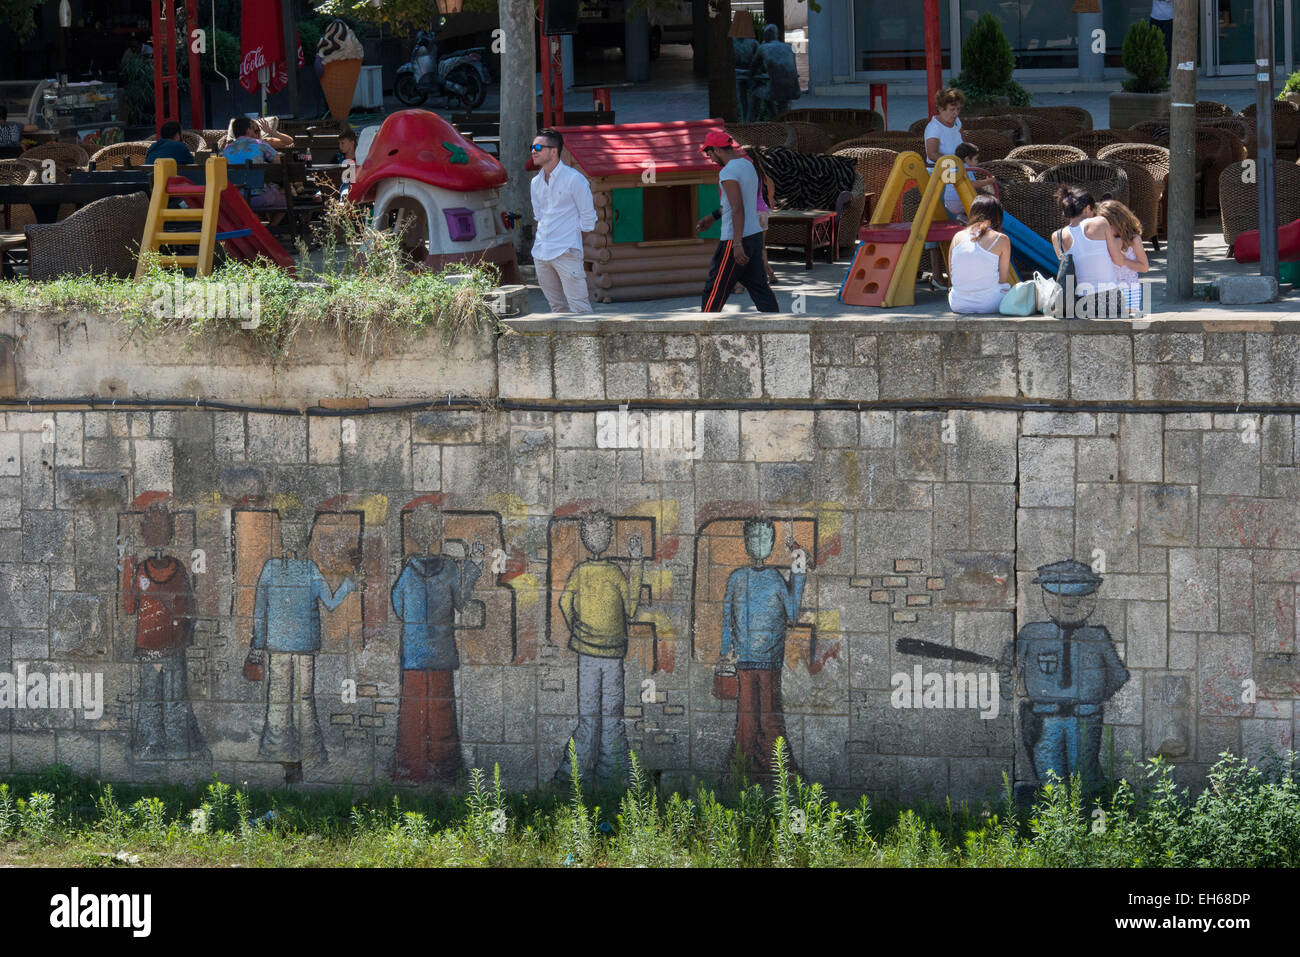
[949, 138]
[1162, 9]
[746, 177]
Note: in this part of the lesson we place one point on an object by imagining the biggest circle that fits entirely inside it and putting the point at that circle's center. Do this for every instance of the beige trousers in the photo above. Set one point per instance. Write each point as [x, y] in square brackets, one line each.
[564, 282]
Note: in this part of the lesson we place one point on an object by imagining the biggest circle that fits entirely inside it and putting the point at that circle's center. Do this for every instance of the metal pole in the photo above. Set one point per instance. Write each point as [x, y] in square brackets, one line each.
[1182, 153]
[933, 53]
[1267, 179]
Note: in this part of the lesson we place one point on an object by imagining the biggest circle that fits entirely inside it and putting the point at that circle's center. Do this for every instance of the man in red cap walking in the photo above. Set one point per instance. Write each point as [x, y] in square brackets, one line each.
[739, 256]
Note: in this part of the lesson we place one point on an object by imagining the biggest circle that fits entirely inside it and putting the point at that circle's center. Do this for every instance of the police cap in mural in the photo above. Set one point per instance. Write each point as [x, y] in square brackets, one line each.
[1067, 577]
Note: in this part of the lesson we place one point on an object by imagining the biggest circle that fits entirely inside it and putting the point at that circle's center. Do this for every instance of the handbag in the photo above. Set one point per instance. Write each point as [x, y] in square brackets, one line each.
[1066, 278]
[1020, 300]
[1048, 294]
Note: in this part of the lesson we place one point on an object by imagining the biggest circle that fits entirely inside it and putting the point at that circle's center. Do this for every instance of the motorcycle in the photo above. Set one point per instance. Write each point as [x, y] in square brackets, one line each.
[461, 76]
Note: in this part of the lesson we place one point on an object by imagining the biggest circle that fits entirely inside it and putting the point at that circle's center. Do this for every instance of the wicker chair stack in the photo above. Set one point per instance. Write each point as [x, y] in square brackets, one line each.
[838, 124]
[1092, 141]
[809, 137]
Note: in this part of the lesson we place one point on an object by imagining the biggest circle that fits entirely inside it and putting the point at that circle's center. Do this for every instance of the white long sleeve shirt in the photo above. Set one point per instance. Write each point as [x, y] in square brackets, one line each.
[564, 212]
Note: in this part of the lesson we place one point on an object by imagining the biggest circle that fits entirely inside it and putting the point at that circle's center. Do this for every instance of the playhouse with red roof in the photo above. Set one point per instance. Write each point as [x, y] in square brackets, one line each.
[650, 184]
[420, 170]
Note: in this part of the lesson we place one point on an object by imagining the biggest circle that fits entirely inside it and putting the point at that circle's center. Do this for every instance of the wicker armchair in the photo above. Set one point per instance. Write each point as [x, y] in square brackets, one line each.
[992, 144]
[1053, 154]
[212, 139]
[1032, 204]
[898, 140]
[1154, 129]
[1209, 110]
[1233, 124]
[1144, 195]
[1239, 201]
[1214, 152]
[841, 124]
[193, 140]
[1064, 119]
[919, 126]
[1037, 129]
[120, 154]
[850, 219]
[1096, 176]
[101, 238]
[763, 134]
[1013, 127]
[809, 137]
[66, 156]
[1092, 141]
[1009, 171]
[873, 166]
[16, 173]
[1286, 128]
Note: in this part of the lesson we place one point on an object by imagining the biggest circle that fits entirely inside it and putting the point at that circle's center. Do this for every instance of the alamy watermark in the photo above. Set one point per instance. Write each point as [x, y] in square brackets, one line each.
[37, 691]
[206, 299]
[647, 430]
[949, 690]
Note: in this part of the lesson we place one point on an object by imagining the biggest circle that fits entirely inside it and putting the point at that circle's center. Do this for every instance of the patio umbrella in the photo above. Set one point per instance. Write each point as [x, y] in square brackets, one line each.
[262, 43]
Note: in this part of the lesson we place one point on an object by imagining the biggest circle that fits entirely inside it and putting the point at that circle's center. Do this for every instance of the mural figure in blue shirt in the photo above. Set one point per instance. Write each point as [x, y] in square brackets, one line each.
[760, 604]
[433, 587]
[1070, 670]
[286, 637]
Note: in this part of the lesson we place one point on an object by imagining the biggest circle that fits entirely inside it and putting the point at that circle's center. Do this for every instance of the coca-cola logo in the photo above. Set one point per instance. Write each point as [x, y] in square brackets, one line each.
[254, 60]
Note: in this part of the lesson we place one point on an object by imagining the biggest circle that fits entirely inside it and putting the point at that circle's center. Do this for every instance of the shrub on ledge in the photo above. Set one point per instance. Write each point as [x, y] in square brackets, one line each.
[362, 289]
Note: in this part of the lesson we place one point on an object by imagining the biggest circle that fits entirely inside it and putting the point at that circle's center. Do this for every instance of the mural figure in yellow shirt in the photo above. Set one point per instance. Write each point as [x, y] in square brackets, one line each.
[597, 603]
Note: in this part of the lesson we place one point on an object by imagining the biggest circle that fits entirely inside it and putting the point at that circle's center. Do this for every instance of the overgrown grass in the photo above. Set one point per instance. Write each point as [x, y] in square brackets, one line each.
[362, 289]
[1248, 816]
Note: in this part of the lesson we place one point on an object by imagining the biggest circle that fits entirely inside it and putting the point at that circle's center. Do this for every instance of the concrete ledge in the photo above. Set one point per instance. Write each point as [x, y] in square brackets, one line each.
[1245, 290]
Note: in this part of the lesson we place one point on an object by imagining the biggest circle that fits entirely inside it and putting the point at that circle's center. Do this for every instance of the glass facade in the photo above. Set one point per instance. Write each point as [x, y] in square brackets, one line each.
[890, 34]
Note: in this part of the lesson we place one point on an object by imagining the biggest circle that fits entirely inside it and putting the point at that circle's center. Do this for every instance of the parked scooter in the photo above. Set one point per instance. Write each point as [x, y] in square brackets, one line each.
[461, 77]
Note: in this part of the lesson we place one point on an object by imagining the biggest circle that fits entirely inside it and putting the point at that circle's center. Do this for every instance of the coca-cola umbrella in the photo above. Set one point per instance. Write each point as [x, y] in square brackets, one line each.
[262, 42]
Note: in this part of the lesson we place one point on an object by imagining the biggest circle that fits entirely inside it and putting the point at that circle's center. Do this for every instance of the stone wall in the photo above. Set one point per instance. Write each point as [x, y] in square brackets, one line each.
[917, 479]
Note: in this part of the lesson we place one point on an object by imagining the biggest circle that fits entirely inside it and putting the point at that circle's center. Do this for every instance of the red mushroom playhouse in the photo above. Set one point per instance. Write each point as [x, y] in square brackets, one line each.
[418, 167]
[650, 185]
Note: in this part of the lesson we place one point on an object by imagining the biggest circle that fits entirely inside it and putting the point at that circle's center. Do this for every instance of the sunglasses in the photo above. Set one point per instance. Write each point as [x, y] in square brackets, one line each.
[538, 147]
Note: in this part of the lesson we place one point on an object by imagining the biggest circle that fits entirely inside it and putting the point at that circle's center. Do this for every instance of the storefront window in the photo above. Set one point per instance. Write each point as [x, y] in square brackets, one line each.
[1041, 36]
[890, 34]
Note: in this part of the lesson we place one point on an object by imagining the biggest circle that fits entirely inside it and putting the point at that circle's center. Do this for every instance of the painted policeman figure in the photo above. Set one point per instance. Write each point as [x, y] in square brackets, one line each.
[1070, 670]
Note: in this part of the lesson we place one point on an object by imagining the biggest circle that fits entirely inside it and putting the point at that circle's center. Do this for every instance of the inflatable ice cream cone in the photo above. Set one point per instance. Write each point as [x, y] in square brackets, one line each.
[341, 53]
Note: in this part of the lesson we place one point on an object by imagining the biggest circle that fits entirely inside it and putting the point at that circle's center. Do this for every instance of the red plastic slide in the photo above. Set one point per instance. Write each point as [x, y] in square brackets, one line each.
[235, 215]
[1246, 249]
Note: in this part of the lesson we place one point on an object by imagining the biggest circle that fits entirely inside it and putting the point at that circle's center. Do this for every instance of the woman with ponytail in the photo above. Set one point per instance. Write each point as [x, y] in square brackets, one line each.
[1097, 255]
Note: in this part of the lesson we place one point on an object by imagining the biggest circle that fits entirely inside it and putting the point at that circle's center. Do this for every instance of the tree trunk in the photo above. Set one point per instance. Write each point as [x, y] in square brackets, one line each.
[722, 69]
[518, 110]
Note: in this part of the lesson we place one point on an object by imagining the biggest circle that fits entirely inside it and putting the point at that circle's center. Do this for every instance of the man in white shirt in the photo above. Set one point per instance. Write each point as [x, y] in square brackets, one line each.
[739, 255]
[564, 210]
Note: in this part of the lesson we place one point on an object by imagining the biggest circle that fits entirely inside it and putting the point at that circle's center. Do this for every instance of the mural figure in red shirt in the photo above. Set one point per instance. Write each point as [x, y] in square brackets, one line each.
[158, 591]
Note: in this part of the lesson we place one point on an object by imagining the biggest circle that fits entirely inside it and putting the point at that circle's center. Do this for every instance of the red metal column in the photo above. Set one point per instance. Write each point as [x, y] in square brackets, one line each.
[552, 74]
[174, 97]
[933, 62]
[159, 104]
[197, 120]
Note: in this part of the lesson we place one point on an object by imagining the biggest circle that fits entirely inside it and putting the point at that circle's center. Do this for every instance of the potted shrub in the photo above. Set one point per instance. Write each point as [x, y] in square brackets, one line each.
[987, 67]
[1291, 92]
[1145, 95]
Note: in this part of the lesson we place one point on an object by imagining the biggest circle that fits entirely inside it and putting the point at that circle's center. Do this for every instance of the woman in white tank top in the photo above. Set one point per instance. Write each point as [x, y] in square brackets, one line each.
[1097, 254]
[980, 261]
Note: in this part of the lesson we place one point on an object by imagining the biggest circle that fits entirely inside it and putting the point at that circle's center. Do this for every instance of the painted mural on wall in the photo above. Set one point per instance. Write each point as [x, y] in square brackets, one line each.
[1070, 669]
[445, 617]
[1066, 670]
[283, 609]
[746, 616]
[598, 605]
[158, 592]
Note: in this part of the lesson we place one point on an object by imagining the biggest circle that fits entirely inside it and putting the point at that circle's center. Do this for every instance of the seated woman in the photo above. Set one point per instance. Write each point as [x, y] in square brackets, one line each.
[1097, 255]
[980, 261]
[245, 147]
